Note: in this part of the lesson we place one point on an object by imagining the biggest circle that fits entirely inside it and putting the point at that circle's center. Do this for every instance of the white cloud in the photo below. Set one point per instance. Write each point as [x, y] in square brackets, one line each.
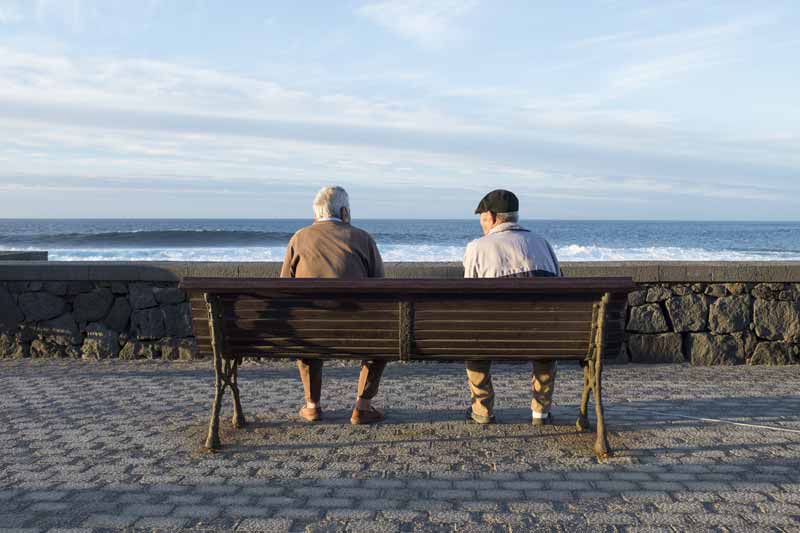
[100, 118]
[10, 13]
[429, 23]
[657, 58]
[147, 85]
[664, 69]
[694, 38]
[69, 12]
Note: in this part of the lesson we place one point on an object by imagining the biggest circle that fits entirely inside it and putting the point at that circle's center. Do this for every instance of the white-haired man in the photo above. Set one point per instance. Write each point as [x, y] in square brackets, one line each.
[508, 250]
[332, 248]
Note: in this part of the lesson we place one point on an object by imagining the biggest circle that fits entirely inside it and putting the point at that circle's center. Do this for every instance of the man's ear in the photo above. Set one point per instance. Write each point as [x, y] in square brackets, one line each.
[344, 214]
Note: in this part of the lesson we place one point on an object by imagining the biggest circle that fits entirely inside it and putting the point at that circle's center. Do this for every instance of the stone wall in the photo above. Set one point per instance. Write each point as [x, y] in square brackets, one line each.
[714, 323]
[95, 320]
[705, 313]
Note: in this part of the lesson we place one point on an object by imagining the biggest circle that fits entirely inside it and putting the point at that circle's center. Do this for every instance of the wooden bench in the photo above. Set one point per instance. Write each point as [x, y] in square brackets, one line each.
[517, 319]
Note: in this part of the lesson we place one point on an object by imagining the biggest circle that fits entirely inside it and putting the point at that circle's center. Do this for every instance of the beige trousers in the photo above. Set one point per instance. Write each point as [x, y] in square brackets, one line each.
[479, 375]
[311, 376]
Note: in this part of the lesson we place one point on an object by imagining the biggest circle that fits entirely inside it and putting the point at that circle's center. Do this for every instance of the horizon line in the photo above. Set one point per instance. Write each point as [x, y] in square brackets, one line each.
[441, 219]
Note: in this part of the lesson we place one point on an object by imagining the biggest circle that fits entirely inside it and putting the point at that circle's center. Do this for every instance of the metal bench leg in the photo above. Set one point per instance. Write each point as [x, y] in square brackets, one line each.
[222, 377]
[582, 423]
[212, 441]
[601, 447]
[238, 415]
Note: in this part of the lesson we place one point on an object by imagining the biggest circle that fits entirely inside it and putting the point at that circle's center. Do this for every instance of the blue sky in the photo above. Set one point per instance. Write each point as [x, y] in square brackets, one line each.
[606, 109]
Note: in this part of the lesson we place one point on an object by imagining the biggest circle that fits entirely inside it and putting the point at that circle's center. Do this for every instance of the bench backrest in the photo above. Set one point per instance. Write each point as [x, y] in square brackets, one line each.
[411, 319]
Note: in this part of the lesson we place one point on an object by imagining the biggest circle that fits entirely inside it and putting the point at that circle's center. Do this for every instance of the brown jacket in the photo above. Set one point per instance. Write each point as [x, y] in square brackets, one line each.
[332, 249]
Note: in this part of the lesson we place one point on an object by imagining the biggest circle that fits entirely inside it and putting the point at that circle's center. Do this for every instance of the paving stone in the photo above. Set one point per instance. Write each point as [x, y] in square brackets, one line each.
[148, 510]
[160, 523]
[301, 514]
[448, 517]
[373, 526]
[206, 512]
[452, 494]
[329, 502]
[380, 504]
[401, 515]
[265, 524]
[110, 521]
[120, 441]
[611, 518]
[349, 514]
[50, 507]
[277, 501]
[248, 511]
[47, 495]
[15, 520]
[478, 506]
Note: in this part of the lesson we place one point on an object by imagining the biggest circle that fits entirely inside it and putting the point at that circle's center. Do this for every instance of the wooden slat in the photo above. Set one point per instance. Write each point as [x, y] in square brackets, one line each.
[500, 352]
[492, 286]
[548, 355]
[305, 314]
[509, 304]
[494, 344]
[302, 350]
[322, 343]
[276, 333]
[277, 354]
[327, 305]
[520, 335]
[506, 325]
[266, 324]
[490, 316]
[246, 302]
[466, 305]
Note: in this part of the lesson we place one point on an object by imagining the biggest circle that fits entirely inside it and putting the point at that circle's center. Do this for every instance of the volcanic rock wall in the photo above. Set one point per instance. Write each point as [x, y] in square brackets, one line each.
[703, 313]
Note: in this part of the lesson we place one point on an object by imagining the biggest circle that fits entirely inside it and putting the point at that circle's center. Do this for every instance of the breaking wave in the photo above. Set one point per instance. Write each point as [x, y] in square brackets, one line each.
[149, 239]
[409, 252]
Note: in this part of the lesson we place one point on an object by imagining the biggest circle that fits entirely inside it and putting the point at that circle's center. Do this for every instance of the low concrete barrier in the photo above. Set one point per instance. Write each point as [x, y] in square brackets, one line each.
[23, 256]
[705, 313]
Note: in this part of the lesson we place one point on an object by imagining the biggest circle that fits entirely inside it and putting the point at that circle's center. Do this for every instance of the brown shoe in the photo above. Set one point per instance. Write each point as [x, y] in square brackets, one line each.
[310, 414]
[366, 417]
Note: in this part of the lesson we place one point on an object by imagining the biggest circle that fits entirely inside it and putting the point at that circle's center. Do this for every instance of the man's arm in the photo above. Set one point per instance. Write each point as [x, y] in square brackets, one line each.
[376, 261]
[289, 268]
[470, 261]
[555, 260]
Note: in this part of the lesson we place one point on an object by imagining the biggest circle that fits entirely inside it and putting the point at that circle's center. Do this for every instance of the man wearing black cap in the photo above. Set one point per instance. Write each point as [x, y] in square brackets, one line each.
[508, 250]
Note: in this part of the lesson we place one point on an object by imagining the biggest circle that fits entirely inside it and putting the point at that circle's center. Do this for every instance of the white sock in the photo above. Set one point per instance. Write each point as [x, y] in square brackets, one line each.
[534, 414]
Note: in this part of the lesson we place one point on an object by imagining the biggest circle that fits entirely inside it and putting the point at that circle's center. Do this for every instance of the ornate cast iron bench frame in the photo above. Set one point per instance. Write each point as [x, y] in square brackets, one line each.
[409, 320]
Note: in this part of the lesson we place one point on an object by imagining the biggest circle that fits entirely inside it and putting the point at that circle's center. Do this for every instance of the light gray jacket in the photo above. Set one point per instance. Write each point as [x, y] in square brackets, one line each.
[509, 250]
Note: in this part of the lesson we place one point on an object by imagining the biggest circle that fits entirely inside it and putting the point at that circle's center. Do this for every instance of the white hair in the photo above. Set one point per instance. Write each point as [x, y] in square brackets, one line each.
[329, 202]
[511, 216]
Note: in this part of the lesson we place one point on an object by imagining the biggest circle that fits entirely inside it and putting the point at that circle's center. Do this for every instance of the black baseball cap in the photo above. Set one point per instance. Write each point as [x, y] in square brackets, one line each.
[498, 201]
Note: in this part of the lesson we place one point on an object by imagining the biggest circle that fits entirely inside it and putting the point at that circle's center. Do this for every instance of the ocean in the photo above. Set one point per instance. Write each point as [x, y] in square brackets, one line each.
[398, 240]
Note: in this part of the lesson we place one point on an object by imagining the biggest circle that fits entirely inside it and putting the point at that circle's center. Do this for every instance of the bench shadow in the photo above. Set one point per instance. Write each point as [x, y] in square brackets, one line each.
[626, 422]
[269, 435]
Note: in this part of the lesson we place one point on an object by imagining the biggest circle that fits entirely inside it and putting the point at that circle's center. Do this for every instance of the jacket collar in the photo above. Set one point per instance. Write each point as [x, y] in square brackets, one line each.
[336, 220]
[506, 226]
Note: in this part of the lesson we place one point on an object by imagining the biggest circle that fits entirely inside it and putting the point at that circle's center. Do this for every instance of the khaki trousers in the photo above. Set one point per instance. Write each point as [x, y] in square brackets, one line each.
[479, 375]
[311, 376]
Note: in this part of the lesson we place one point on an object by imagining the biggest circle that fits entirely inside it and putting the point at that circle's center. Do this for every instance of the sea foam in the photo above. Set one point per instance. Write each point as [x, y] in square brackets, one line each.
[414, 252]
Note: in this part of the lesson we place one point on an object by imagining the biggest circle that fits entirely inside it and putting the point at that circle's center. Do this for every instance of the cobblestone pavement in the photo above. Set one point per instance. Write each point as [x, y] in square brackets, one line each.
[93, 446]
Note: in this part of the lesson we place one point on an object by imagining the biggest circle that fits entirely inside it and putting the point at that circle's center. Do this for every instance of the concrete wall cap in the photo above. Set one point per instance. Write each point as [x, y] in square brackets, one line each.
[640, 271]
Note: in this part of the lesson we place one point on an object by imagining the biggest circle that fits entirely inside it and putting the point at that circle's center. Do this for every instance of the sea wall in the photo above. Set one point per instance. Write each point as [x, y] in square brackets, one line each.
[23, 256]
[704, 313]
